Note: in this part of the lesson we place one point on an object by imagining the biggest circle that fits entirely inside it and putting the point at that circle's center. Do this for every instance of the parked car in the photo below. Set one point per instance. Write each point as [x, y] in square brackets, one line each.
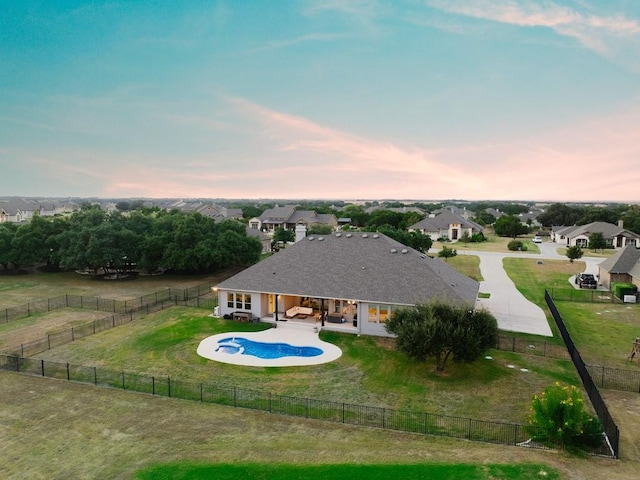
[586, 280]
[537, 239]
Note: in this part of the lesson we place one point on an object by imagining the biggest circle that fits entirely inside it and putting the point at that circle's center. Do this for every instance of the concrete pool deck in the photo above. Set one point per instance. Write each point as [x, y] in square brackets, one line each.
[299, 336]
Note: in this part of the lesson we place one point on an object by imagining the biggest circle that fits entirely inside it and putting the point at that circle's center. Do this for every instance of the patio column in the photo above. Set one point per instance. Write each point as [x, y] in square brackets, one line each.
[276, 310]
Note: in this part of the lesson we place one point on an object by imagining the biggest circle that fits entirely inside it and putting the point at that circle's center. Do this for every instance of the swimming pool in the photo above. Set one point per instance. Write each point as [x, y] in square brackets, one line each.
[275, 347]
[244, 346]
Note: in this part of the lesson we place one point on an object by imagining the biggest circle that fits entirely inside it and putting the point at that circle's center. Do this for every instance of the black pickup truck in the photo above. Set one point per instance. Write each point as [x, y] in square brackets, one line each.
[586, 280]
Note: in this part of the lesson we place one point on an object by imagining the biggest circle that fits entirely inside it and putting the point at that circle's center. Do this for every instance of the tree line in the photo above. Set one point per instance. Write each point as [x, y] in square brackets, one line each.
[94, 240]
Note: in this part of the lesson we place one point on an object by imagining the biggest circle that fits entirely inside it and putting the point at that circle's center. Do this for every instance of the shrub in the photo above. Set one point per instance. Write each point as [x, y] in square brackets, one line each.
[560, 418]
[478, 237]
[516, 245]
[620, 289]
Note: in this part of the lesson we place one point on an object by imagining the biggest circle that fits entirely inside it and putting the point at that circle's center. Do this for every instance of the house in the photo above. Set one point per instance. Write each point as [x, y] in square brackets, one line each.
[265, 240]
[624, 266]
[16, 210]
[446, 225]
[346, 281]
[578, 235]
[288, 217]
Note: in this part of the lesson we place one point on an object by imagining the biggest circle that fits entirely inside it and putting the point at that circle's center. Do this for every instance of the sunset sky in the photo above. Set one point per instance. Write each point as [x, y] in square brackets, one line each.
[321, 99]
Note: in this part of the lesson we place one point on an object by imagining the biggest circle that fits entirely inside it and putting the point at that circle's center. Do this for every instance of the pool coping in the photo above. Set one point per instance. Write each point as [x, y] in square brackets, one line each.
[293, 336]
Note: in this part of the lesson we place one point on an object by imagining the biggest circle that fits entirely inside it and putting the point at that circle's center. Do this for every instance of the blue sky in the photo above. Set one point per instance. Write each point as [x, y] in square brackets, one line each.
[323, 99]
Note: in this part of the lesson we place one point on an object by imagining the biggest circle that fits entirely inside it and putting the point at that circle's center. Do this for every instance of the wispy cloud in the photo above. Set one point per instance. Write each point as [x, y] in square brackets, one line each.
[291, 42]
[346, 152]
[592, 31]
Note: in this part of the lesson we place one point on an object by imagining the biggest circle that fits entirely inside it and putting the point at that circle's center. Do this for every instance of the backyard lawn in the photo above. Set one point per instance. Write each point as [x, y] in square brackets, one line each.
[370, 371]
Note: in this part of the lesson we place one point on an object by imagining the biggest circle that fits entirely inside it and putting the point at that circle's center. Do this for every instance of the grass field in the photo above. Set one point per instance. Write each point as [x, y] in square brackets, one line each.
[57, 429]
[53, 429]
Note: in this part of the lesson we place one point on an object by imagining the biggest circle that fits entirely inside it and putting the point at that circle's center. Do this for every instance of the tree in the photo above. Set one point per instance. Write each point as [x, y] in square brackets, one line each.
[447, 253]
[319, 229]
[281, 234]
[574, 253]
[484, 218]
[441, 331]
[559, 214]
[597, 241]
[509, 226]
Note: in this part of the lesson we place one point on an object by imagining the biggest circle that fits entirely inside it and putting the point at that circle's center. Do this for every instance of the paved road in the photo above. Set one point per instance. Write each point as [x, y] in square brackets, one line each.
[512, 310]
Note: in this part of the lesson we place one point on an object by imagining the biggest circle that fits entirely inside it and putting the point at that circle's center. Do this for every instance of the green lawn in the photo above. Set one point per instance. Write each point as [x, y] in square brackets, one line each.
[469, 265]
[370, 371]
[603, 332]
[353, 472]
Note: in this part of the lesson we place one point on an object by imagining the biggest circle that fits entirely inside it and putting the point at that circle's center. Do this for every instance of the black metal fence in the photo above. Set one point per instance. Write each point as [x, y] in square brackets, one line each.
[576, 295]
[610, 427]
[106, 304]
[532, 347]
[615, 378]
[77, 332]
[378, 417]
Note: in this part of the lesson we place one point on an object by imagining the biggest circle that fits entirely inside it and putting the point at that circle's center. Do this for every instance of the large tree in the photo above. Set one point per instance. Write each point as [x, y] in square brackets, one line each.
[441, 330]
[509, 226]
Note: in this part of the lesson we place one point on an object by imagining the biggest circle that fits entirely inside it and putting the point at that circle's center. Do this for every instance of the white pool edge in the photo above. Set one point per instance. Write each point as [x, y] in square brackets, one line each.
[295, 337]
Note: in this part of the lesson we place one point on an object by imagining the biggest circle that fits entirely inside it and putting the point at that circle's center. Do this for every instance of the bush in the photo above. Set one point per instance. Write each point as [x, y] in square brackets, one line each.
[516, 245]
[560, 418]
[620, 289]
[478, 237]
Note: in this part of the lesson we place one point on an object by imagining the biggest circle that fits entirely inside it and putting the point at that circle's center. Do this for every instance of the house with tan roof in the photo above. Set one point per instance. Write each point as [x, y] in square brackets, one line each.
[616, 236]
[350, 282]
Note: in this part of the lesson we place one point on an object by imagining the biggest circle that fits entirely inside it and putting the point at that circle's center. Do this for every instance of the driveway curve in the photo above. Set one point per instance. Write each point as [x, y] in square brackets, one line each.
[512, 310]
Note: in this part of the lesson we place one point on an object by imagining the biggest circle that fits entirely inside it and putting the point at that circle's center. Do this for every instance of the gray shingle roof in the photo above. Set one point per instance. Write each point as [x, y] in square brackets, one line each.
[367, 267]
[608, 230]
[623, 261]
[442, 222]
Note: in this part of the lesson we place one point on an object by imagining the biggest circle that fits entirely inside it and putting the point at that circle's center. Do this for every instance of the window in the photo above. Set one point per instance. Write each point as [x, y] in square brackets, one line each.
[379, 313]
[239, 300]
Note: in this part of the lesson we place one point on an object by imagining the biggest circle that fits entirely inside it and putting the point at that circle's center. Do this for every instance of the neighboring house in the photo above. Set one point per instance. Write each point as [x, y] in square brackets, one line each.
[578, 235]
[461, 212]
[496, 213]
[265, 240]
[359, 277]
[624, 266]
[529, 219]
[288, 217]
[16, 210]
[446, 225]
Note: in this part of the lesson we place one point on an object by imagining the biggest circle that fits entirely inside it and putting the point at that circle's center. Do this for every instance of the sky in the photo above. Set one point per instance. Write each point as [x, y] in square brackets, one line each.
[321, 99]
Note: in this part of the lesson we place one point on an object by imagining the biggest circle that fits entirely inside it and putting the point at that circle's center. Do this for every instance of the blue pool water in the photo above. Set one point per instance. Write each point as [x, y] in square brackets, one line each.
[244, 346]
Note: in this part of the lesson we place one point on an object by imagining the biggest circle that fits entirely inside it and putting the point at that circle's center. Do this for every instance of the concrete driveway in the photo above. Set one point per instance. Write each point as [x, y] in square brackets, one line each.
[512, 310]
